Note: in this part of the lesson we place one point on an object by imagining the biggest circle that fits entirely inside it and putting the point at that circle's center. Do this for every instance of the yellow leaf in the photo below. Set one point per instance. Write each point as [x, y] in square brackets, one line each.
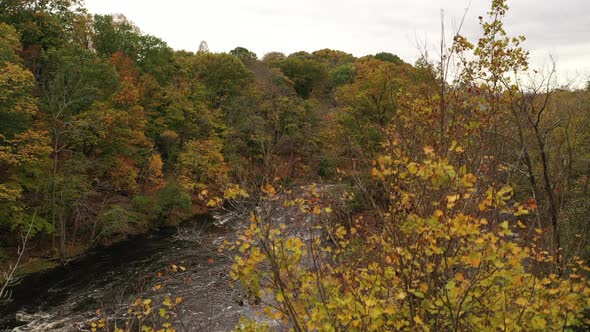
[269, 190]
[418, 320]
[340, 232]
[452, 198]
[375, 173]
[468, 180]
[317, 210]
[484, 205]
[167, 302]
[389, 309]
[453, 145]
[538, 323]
[521, 211]
[459, 276]
[424, 287]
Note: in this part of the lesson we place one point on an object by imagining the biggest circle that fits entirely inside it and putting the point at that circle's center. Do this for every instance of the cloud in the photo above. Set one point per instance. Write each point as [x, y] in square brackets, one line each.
[359, 27]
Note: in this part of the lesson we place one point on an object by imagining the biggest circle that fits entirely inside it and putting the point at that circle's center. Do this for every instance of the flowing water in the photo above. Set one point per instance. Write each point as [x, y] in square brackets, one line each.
[110, 279]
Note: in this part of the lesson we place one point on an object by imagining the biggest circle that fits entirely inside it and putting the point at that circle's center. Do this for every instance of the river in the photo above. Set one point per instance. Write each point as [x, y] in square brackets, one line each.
[173, 262]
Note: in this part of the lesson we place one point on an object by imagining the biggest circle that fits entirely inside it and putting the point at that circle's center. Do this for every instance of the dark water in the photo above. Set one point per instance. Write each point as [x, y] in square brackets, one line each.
[66, 298]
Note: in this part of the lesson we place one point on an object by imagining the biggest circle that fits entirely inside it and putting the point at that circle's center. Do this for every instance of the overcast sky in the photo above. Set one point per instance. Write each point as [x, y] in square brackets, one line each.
[560, 28]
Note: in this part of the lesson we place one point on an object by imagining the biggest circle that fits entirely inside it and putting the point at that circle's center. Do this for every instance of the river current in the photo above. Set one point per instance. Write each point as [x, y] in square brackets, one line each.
[173, 262]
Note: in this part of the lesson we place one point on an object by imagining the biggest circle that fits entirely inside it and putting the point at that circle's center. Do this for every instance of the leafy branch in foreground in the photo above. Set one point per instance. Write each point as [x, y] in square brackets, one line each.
[448, 243]
[431, 261]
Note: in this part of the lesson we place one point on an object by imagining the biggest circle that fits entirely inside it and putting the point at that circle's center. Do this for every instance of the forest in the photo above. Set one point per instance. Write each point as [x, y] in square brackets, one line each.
[451, 194]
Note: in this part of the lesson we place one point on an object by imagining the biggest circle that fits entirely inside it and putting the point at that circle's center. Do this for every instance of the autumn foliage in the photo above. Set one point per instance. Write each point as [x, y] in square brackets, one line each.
[444, 242]
[452, 193]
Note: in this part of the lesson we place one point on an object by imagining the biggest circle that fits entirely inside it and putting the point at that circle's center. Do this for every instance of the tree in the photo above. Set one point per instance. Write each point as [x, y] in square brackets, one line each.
[247, 57]
[273, 58]
[551, 127]
[43, 25]
[310, 76]
[201, 164]
[185, 105]
[203, 47]
[498, 62]
[114, 33]
[368, 103]
[388, 57]
[223, 76]
[174, 203]
[418, 266]
[23, 144]
[74, 79]
[445, 243]
[342, 75]
[10, 44]
[114, 134]
[333, 58]
[273, 129]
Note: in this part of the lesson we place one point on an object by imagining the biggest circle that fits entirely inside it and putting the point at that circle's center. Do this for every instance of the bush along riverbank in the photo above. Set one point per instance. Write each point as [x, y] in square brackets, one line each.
[123, 218]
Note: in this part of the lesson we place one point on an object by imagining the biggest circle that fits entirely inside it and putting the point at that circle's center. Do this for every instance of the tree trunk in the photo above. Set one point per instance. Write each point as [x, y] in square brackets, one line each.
[62, 243]
[54, 187]
[549, 193]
